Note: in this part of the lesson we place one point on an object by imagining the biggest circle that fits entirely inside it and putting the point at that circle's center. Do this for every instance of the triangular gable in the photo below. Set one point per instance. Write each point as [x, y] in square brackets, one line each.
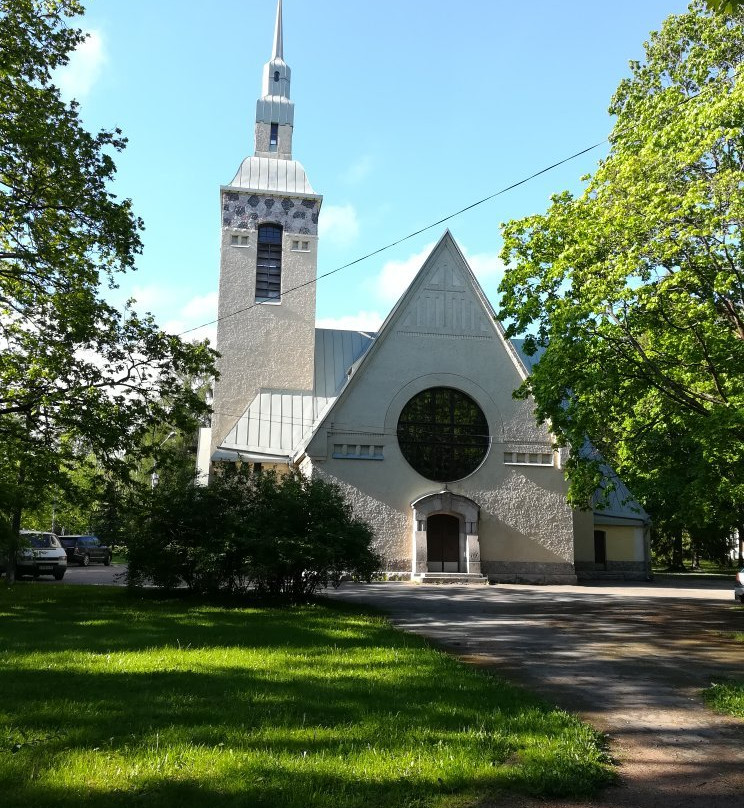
[444, 299]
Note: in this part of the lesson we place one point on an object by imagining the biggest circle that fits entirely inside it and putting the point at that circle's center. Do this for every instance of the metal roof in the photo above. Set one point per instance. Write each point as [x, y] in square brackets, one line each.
[272, 174]
[336, 352]
[277, 421]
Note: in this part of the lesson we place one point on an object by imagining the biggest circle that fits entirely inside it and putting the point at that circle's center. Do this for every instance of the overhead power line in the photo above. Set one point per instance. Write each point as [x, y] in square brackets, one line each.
[403, 238]
[686, 99]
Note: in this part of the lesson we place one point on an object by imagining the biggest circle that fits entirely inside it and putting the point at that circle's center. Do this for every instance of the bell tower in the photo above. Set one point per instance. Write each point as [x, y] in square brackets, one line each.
[268, 260]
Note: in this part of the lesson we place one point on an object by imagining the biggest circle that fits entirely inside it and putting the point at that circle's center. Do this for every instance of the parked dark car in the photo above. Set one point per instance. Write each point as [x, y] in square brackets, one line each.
[84, 549]
[40, 554]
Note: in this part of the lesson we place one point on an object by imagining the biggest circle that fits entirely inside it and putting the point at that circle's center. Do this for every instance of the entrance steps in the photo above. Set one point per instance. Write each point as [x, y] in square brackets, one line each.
[470, 578]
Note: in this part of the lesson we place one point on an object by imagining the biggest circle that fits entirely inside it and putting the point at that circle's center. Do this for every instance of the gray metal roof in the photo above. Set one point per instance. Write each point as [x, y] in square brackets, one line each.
[336, 352]
[272, 174]
[277, 421]
[529, 361]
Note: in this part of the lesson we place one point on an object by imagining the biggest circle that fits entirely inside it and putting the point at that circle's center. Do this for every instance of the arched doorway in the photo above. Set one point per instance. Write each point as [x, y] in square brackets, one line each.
[443, 543]
[445, 534]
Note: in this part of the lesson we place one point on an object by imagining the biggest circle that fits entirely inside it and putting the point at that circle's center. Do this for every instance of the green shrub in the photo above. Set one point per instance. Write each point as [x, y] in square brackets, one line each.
[281, 536]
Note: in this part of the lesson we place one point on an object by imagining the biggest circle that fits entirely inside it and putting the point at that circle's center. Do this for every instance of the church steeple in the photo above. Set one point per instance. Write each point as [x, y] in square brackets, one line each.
[275, 110]
[278, 34]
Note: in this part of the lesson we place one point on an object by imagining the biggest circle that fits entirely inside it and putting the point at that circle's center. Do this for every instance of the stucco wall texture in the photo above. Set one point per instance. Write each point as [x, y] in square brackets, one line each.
[255, 341]
[441, 335]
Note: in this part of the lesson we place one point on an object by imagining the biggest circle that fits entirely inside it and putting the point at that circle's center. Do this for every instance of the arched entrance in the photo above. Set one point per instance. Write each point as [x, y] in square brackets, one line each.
[443, 543]
[445, 534]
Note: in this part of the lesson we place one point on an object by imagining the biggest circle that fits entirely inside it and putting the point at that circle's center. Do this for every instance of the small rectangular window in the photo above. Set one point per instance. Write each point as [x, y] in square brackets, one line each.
[305, 245]
[295, 245]
[274, 137]
[233, 239]
[244, 241]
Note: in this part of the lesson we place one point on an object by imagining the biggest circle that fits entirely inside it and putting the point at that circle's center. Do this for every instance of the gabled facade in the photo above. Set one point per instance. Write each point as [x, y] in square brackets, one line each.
[417, 423]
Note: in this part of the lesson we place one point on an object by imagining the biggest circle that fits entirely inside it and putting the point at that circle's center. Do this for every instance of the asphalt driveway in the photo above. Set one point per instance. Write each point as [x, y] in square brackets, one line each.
[631, 660]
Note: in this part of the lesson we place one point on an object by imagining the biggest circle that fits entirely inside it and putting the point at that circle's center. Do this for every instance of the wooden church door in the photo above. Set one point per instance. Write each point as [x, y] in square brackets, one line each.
[443, 543]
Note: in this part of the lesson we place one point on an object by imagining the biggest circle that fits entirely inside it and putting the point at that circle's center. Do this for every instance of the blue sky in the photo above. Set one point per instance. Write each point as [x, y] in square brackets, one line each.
[405, 111]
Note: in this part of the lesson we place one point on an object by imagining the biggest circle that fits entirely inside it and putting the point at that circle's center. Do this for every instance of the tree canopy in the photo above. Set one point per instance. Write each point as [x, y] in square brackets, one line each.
[635, 288]
[77, 375]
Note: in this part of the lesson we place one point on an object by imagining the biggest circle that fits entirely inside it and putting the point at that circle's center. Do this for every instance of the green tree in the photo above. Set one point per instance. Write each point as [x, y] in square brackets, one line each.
[635, 289]
[77, 376]
[724, 6]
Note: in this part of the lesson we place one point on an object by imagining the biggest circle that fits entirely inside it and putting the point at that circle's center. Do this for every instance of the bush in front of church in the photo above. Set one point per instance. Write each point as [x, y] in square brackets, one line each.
[278, 536]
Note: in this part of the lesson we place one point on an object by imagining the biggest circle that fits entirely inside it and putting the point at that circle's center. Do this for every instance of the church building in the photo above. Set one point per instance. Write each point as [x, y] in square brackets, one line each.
[416, 423]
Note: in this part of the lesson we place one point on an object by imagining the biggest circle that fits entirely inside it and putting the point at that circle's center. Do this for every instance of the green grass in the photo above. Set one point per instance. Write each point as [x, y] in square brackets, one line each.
[112, 699]
[727, 697]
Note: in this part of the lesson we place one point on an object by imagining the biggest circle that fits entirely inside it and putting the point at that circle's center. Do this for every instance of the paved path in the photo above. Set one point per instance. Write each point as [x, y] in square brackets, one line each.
[631, 660]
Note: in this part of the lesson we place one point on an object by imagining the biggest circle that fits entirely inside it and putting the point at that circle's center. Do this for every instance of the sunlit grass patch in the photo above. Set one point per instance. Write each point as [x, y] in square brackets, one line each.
[119, 700]
[726, 697]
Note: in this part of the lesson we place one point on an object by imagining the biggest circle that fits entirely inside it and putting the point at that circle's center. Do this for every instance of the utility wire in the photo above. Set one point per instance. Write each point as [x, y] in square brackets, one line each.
[404, 238]
[615, 135]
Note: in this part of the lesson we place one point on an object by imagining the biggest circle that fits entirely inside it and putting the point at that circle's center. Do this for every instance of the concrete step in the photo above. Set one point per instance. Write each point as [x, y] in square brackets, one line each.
[450, 578]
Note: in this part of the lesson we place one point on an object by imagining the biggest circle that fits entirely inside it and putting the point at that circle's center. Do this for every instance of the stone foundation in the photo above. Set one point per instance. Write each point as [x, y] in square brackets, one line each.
[526, 572]
[612, 571]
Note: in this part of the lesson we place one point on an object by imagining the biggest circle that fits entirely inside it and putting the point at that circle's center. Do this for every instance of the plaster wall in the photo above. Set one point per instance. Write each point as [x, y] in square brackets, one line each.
[271, 344]
[584, 535]
[624, 543]
[443, 336]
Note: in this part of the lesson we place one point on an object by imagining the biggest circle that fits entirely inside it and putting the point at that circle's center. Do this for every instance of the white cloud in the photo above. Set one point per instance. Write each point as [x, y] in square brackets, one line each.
[147, 298]
[172, 315]
[395, 275]
[486, 266]
[77, 77]
[339, 225]
[359, 170]
[195, 312]
[201, 308]
[361, 321]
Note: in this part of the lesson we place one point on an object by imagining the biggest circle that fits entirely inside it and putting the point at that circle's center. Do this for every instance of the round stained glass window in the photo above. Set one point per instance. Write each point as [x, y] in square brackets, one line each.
[443, 434]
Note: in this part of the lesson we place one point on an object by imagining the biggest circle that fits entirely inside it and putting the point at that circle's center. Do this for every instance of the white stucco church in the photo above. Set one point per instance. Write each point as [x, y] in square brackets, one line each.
[416, 423]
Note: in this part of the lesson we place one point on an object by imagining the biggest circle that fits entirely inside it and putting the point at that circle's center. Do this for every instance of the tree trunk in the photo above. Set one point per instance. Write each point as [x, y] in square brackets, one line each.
[677, 552]
[15, 526]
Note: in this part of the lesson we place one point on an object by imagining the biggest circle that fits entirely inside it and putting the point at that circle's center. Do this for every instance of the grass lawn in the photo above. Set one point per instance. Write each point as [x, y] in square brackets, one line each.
[727, 697]
[111, 699]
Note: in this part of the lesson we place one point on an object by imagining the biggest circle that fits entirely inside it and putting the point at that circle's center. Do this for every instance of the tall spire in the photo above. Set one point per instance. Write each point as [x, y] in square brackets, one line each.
[278, 34]
[274, 110]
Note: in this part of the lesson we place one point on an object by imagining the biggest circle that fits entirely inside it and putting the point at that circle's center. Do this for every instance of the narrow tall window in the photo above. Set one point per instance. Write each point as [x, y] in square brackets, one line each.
[274, 137]
[269, 263]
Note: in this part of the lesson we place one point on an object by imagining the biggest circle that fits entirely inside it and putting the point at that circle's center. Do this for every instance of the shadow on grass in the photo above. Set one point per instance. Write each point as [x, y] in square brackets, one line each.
[109, 698]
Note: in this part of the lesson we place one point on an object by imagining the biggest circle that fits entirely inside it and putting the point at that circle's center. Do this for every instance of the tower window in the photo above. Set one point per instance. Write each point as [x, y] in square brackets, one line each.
[276, 75]
[269, 263]
[274, 137]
